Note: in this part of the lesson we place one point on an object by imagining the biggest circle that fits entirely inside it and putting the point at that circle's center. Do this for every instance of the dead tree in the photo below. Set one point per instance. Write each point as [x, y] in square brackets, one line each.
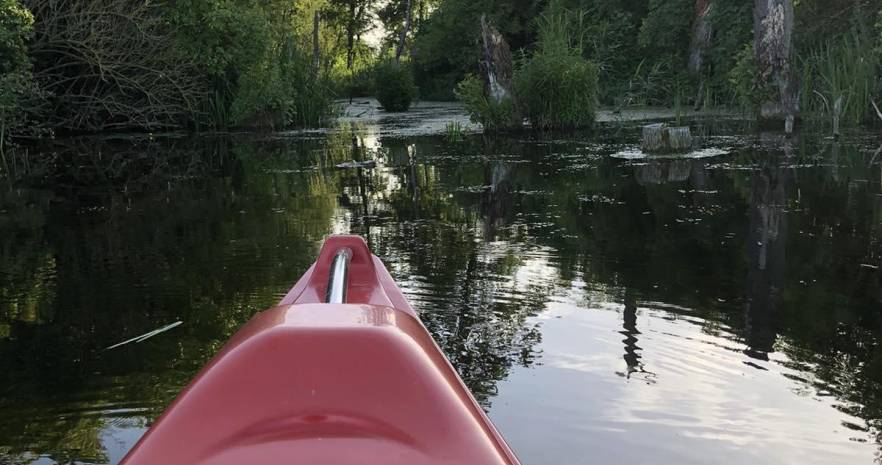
[702, 32]
[497, 69]
[112, 64]
[773, 33]
[404, 30]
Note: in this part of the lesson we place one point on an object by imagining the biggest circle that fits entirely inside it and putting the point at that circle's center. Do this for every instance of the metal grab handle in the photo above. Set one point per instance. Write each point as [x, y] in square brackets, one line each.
[338, 277]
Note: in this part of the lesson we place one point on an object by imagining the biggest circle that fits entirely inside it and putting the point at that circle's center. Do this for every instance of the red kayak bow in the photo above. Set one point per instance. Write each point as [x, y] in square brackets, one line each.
[341, 372]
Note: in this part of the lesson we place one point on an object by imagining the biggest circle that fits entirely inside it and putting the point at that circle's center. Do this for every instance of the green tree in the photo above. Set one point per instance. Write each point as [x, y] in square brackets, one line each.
[16, 85]
[445, 47]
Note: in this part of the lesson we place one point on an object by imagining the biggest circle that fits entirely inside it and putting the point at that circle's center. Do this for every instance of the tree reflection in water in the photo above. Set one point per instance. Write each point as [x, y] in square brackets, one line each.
[482, 235]
[766, 248]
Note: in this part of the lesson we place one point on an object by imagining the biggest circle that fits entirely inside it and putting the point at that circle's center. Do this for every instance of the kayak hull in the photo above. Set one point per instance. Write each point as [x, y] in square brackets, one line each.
[315, 383]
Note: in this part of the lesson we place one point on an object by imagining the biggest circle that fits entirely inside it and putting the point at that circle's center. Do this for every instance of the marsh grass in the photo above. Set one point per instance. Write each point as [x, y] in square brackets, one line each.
[453, 131]
[847, 70]
[556, 87]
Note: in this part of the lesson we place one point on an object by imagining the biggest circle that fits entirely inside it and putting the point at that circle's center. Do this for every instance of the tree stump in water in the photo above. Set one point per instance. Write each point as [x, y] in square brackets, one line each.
[659, 138]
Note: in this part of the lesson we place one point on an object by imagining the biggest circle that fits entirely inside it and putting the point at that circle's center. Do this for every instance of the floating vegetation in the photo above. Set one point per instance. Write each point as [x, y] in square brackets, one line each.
[637, 154]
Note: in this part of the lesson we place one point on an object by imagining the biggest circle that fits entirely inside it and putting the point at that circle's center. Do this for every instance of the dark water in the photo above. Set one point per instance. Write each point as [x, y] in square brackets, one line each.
[681, 311]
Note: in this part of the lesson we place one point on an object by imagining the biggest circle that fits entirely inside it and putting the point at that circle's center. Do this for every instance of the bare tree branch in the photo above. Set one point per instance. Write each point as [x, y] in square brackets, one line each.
[112, 64]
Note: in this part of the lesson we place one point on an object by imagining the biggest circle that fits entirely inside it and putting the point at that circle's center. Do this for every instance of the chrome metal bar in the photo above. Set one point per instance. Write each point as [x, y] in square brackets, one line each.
[338, 277]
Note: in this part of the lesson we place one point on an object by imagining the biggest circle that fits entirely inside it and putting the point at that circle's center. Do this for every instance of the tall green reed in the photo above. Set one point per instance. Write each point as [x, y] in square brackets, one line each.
[845, 69]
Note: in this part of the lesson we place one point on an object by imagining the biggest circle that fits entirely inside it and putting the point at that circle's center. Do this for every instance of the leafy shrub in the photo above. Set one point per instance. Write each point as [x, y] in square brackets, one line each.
[490, 114]
[249, 54]
[282, 91]
[557, 90]
[556, 87]
[360, 83]
[444, 45]
[394, 86]
[666, 31]
[609, 35]
[16, 27]
[745, 82]
[16, 84]
[722, 57]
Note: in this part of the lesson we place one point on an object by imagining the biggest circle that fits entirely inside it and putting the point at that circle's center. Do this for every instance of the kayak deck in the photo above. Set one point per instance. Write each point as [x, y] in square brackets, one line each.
[306, 382]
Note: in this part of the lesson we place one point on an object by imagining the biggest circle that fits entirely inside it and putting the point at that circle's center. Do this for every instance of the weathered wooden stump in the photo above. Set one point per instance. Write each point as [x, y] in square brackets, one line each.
[659, 138]
[497, 66]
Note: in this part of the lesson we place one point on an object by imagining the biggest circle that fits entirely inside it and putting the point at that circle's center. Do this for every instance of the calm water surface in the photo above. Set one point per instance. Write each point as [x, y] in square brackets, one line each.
[604, 309]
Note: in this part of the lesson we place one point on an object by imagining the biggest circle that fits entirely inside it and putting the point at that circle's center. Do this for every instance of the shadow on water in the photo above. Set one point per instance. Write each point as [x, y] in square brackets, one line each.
[774, 248]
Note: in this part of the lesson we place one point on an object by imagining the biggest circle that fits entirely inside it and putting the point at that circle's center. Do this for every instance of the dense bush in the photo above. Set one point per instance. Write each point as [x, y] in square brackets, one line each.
[17, 90]
[394, 86]
[556, 87]
[359, 83]
[254, 55]
[445, 47]
[490, 114]
[725, 46]
[557, 90]
[16, 27]
[279, 92]
[666, 31]
[744, 80]
[609, 36]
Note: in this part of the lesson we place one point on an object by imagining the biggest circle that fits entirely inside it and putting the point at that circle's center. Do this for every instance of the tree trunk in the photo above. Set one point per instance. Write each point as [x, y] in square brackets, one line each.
[496, 65]
[359, 18]
[350, 34]
[404, 31]
[316, 20]
[773, 33]
[702, 32]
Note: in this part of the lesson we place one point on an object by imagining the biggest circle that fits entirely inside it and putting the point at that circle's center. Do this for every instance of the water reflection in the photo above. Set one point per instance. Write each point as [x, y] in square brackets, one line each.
[547, 271]
[632, 350]
[766, 249]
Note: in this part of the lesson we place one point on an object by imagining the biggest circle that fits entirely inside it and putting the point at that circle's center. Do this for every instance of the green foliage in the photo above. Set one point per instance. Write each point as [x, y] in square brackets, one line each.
[491, 115]
[394, 85]
[16, 27]
[223, 36]
[735, 17]
[360, 83]
[847, 69]
[255, 55]
[453, 131]
[666, 31]
[744, 80]
[653, 84]
[445, 46]
[610, 41]
[16, 85]
[281, 92]
[557, 90]
[556, 87]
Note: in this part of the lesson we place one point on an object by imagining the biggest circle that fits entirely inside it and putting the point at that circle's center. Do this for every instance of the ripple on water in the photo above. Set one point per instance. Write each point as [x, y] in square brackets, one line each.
[617, 386]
